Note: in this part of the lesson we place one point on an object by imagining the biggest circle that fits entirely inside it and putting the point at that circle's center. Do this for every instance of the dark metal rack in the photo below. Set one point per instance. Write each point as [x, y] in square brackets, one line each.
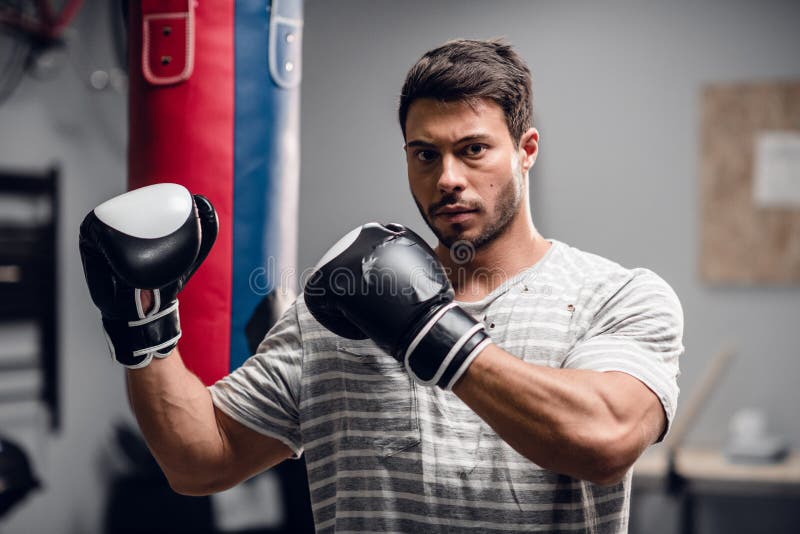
[28, 275]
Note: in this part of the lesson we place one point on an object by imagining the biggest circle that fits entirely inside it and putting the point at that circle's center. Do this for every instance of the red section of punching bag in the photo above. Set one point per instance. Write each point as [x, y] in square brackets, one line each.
[181, 68]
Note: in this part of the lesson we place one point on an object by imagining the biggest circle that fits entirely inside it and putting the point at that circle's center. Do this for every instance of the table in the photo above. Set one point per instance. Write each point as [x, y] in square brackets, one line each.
[706, 471]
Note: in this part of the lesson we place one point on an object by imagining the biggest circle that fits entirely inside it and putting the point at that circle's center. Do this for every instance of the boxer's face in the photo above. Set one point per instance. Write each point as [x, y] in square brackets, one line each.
[466, 174]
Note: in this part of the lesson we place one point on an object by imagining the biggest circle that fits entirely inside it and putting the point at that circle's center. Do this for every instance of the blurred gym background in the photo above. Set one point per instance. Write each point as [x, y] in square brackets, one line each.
[625, 94]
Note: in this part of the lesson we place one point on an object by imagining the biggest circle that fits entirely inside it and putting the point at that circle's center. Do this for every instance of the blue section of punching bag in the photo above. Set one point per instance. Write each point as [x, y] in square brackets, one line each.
[267, 47]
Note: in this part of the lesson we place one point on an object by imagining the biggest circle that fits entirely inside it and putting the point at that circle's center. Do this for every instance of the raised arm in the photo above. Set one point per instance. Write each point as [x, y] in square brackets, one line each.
[156, 237]
[590, 419]
[587, 424]
[200, 449]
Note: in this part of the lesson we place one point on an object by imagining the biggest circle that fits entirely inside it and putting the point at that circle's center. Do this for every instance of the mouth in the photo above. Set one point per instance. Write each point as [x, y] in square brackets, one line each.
[456, 214]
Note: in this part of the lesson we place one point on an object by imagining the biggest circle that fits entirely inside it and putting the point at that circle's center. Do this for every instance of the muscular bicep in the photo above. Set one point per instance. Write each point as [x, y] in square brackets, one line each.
[635, 404]
[637, 331]
[246, 451]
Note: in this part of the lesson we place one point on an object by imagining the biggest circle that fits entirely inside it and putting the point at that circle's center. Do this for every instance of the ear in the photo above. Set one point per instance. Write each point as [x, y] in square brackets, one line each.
[529, 148]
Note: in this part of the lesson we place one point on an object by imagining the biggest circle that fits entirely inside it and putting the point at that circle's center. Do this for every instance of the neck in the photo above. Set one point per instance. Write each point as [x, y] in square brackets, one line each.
[519, 247]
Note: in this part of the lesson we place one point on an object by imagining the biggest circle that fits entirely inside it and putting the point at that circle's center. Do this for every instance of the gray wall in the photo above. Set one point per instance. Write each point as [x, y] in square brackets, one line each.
[616, 89]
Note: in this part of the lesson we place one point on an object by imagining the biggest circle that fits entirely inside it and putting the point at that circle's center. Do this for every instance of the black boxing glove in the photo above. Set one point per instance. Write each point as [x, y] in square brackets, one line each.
[152, 238]
[384, 282]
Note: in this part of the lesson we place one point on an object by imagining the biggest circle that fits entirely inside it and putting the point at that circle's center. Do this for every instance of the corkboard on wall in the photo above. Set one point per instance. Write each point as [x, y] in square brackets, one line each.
[743, 241]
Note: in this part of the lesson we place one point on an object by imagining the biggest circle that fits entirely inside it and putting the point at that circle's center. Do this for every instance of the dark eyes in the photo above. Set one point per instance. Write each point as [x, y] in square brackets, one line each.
[472, 150]
[426, 155]
[475, 149]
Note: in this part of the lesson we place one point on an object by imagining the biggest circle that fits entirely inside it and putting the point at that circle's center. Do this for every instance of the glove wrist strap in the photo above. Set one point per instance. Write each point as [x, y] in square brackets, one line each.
[444, 348]
[135, 343]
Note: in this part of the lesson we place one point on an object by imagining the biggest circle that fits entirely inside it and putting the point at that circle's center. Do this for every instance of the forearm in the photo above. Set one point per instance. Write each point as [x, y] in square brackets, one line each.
[177, 417]
[565, 420]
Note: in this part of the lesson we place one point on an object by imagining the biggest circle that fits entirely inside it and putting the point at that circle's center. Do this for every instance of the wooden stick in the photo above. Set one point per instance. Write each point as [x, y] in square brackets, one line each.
[699, 398]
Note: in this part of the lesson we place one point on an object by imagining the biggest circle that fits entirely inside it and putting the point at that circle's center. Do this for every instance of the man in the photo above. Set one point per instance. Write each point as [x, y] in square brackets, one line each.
[521, 405]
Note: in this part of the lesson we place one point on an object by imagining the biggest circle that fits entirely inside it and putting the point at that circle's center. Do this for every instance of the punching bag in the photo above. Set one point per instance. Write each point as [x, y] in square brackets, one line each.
[214, 106]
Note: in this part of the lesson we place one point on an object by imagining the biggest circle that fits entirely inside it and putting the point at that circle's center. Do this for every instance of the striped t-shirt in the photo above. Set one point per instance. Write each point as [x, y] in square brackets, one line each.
[385, 454]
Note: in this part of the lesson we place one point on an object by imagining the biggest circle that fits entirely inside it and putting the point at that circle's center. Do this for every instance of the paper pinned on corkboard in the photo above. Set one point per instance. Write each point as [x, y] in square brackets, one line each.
[776, 171]
[749, 190]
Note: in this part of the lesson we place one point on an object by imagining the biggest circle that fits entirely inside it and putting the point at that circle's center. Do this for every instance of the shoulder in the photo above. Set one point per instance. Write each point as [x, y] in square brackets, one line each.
[604, 281]
[585, 265]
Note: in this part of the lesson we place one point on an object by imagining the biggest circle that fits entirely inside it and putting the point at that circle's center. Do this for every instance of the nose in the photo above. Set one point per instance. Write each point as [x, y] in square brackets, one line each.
[451, 179]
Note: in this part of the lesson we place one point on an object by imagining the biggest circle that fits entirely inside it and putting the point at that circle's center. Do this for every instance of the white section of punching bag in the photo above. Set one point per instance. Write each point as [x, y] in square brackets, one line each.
[148, 212]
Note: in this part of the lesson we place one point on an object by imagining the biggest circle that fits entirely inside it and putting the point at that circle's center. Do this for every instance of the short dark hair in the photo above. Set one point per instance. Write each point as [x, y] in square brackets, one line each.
[468, 70]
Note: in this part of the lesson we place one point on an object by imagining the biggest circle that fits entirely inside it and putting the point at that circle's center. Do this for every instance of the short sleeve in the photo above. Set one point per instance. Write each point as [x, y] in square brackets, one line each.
[263, 394]
[637, 329]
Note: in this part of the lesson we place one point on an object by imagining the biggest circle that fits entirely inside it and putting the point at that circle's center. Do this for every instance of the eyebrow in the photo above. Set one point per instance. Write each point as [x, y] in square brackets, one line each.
[424, 144]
